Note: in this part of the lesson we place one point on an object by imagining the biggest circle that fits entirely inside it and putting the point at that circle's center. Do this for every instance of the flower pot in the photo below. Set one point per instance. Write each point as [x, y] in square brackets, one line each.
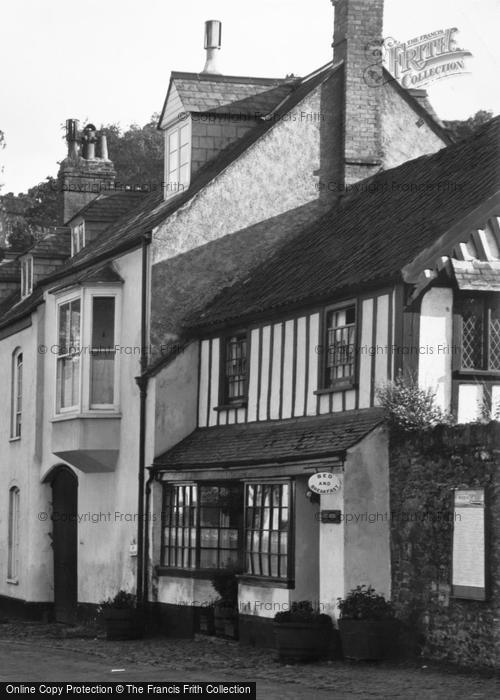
[226, 621]
[126, 623]
[366, 640]
[302, 641]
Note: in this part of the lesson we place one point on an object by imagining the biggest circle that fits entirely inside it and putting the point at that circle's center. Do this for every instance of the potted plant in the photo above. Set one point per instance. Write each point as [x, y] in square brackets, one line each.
[302, 633]
[225, 608]
[367, 624]
[122, 618]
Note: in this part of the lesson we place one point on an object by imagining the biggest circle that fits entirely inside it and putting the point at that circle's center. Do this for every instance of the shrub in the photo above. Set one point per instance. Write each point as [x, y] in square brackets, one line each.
[410, 408]
[302, 611]
[363, 603]
[121, 601]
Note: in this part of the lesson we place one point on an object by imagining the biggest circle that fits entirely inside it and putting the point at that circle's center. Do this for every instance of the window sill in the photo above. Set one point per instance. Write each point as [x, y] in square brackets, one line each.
[476, 373]
[15, 439]
[104, 413]
[186, 573]
[13, 581]
[227, 406]
[341, 386]
[266, 581]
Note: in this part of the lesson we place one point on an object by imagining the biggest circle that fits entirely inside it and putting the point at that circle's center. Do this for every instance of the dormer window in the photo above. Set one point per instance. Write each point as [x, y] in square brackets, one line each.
[77, 238]
[177, 162]
[26, 276]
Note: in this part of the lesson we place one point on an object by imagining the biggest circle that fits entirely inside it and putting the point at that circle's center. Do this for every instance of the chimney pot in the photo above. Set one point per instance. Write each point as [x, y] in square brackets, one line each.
[213, 36]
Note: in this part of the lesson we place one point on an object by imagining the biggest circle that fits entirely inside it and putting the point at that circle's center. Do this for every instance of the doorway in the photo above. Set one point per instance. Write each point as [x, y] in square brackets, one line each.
[65, 543]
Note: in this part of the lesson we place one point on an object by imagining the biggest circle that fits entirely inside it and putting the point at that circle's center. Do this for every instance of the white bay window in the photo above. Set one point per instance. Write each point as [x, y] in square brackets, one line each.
[86, 358]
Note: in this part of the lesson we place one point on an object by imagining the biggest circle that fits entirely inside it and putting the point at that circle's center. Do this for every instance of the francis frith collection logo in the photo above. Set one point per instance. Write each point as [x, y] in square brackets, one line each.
[417, 62]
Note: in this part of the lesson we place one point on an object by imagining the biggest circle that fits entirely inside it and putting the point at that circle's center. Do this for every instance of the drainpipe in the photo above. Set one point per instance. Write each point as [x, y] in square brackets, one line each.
[150, 480]
[142, 383]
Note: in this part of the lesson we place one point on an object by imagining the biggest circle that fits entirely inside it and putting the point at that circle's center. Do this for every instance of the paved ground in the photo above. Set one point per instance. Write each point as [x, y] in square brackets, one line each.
[30, 652]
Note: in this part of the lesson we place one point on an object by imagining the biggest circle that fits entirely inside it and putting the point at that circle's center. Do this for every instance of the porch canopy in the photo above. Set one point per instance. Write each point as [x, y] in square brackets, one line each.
[279, 447]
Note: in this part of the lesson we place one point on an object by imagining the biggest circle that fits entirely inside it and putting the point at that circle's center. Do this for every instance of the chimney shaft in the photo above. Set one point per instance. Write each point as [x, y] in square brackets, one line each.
[72, 138]
[213, 36]
[358, 31]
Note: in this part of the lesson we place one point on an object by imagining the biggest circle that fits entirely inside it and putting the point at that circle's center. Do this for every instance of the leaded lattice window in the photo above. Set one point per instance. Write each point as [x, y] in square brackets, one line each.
[480, 333]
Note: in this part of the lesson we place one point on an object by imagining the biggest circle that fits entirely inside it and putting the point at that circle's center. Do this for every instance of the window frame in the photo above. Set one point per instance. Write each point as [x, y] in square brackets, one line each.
[344, 382]
[26, 279]
[486, 299]
[288, 578]
[16, 398]
[197, 569]
[13, 535]
[78, 237]
[179, 186]
[224, 400]
[86, 296]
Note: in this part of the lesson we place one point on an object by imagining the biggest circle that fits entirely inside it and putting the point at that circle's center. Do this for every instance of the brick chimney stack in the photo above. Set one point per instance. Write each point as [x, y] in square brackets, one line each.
[358, 27]
[86, 171]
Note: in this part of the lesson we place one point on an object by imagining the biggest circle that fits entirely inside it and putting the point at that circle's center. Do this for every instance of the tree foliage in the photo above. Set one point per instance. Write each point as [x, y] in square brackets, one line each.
[137, 153]
[462, 129]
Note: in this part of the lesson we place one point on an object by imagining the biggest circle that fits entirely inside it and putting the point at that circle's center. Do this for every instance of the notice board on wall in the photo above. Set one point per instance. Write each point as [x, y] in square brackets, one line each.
[469, 545]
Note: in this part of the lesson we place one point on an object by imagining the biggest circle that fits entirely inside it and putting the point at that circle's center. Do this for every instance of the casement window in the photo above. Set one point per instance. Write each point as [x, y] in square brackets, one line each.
[102, 354]
[202, 525]
[268, 548]
[86, 352]
[68, 355]
[477, 330]
[178, 146]
[26, 276]
[338, 346]
[234, 369]
[77, 238]
[13, 536]
[17, 394]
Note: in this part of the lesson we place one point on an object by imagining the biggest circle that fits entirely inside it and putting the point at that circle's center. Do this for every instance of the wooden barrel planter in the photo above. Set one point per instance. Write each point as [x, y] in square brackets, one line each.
[225, 621]
[122, 624]
[366, 640]
[302, 641]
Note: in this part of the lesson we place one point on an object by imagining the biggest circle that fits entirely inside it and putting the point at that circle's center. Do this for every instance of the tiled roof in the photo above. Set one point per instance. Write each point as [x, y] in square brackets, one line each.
[56, 244]
[377, 228]
[10, 271]
[271, 441]
[476, 275]
[224, 94]
[108, 207]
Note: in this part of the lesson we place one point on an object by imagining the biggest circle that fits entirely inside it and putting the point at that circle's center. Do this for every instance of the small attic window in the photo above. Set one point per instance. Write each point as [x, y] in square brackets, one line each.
[77, 238]
[26, 276]
[177, 161]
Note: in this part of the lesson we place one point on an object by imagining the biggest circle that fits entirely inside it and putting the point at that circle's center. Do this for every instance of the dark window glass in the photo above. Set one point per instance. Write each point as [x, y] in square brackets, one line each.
[340, 345]
[235, 368]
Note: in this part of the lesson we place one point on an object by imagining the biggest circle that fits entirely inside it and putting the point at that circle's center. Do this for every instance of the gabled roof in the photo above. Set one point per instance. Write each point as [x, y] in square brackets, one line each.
[226, 94]
[54, 245]
[108, 207]
[271, 441]
[377, 228]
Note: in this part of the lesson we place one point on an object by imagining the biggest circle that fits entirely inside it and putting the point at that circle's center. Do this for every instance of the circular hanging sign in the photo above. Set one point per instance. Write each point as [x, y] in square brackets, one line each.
[324, 482]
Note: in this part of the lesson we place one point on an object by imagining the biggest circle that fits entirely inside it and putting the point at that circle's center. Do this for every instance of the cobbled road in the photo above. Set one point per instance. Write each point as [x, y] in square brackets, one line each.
[30, 652]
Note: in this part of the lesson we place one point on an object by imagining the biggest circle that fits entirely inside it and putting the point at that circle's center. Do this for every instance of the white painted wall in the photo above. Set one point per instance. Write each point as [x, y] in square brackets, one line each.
[436, 344]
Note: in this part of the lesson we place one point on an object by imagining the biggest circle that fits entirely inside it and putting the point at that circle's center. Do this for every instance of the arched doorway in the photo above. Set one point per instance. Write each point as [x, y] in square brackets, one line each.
[65, 542]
